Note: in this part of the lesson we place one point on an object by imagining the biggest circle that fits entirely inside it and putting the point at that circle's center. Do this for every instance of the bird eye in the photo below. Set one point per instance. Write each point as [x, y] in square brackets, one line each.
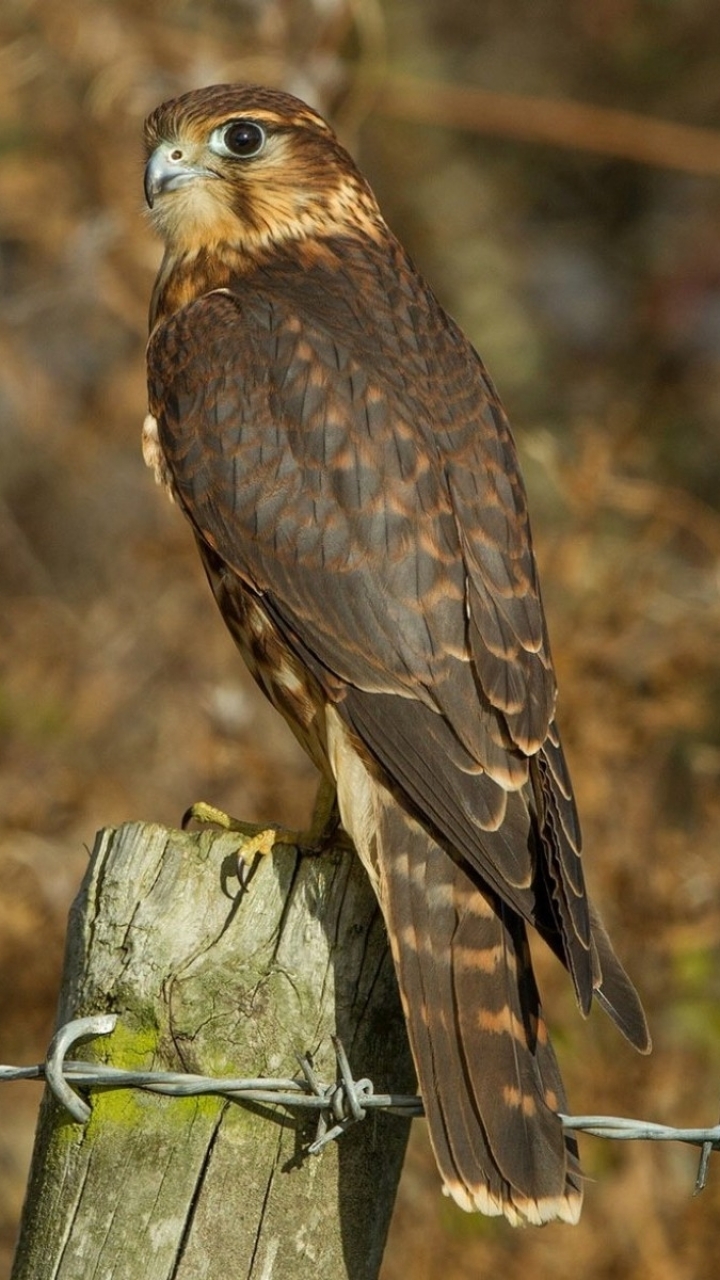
[242, 139]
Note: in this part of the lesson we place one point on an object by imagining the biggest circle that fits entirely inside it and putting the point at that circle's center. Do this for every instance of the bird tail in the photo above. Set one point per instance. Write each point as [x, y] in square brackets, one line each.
[486, 1070]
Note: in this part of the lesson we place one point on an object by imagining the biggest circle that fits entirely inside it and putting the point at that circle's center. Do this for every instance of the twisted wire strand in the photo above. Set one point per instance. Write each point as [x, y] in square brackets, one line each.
[337, 1105]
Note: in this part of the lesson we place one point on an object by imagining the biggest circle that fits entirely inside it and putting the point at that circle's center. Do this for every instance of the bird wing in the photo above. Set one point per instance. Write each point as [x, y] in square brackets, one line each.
[371, 497]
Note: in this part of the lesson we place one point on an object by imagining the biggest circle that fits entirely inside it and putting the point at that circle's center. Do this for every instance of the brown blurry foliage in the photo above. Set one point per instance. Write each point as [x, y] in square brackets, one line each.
[592, 287]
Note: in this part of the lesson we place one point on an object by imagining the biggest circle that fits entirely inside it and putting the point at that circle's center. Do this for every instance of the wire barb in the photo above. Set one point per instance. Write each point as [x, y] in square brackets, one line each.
[338, 1106]
[343, 1100]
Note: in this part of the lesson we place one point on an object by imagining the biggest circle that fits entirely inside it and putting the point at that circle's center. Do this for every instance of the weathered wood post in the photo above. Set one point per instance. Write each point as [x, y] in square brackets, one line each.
[210, 979]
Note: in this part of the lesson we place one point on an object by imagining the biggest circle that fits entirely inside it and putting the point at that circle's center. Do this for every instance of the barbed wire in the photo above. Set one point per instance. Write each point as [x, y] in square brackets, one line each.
[338, 1105]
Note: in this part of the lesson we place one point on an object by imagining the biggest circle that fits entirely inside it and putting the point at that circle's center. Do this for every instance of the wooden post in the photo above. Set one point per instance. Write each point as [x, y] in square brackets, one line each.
[209, 979]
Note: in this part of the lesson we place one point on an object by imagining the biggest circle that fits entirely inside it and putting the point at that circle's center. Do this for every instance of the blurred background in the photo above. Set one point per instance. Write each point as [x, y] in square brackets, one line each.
[555, 170]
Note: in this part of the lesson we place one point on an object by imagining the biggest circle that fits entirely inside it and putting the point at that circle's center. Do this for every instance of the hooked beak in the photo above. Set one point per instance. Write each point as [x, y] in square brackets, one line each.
[167, 169]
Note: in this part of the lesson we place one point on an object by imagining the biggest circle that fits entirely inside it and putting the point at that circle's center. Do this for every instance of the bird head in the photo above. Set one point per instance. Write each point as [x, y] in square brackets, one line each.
[251, 168]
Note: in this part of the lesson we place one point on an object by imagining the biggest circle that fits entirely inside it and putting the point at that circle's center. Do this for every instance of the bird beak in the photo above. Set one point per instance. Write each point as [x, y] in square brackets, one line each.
[167, 169]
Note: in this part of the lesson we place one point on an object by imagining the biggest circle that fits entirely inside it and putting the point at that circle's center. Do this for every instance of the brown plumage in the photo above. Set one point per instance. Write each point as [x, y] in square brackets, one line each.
[353, 487]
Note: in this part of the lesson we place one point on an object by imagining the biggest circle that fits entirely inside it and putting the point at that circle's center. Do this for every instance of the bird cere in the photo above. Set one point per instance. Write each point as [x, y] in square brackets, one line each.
[352, 484]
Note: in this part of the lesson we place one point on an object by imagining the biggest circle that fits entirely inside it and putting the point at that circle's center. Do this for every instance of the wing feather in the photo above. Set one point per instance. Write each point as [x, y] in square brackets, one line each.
[373, 500]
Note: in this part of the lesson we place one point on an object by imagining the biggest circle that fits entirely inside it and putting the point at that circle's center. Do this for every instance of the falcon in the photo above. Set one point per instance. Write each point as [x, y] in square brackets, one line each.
[352, 484]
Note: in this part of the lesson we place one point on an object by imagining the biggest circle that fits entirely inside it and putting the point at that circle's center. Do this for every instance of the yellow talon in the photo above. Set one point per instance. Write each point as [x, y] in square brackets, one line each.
[260, 840]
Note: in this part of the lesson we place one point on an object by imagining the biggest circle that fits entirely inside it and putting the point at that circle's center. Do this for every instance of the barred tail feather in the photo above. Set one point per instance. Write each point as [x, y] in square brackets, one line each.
[486, 1070]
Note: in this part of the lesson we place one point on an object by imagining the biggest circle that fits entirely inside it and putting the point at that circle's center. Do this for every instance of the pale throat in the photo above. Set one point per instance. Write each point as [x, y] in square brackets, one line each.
[199, 218]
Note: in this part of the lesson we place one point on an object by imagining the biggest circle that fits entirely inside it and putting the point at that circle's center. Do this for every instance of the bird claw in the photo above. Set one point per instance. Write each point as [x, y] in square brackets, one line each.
[254, 840]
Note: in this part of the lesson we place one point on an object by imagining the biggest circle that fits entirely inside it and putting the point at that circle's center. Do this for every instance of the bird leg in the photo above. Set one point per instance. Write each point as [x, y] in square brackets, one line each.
[324, 828]
[258, 840]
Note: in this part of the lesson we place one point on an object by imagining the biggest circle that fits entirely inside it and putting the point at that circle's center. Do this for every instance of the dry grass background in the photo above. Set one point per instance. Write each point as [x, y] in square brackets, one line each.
[592, 287]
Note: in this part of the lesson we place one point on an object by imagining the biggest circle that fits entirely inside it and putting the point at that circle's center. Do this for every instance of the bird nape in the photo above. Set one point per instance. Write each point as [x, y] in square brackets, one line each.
[352, 483]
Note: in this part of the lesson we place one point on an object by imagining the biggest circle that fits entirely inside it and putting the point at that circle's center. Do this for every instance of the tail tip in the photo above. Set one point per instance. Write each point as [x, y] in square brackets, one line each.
[517, 1207]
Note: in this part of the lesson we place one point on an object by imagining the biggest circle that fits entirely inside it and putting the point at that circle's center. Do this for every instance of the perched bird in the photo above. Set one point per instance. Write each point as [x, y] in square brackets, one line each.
[353, 487]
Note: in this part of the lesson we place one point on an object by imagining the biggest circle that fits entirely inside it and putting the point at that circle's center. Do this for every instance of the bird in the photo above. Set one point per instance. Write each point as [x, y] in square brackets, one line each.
[353, 487]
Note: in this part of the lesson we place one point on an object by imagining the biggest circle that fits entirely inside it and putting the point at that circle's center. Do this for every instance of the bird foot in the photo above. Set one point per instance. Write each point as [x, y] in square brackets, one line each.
[256, 840]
